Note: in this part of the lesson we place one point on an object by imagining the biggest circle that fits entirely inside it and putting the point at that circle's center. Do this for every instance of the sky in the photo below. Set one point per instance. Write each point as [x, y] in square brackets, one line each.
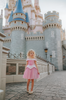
[47, 5]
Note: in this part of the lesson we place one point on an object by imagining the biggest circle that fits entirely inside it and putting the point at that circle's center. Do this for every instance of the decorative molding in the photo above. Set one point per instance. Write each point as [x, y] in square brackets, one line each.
[34, 38]
[2, 35]
[7, 40]
[52, 26]
[51, 16]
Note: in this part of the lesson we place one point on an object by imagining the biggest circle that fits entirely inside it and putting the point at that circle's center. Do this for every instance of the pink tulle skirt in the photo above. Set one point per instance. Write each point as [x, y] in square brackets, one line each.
[31, 73]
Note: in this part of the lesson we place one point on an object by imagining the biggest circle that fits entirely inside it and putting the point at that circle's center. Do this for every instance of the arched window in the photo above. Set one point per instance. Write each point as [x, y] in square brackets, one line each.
[54, 24]
[14, 21]
[22, 22]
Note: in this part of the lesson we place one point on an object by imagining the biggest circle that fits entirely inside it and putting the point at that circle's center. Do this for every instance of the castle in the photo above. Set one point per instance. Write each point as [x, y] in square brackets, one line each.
[26, 29]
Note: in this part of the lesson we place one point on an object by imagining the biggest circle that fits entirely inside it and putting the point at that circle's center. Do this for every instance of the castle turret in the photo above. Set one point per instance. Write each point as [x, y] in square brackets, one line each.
[52, 32]
[12, 4]
[19, 25]
[1, 21]
[37, 7]
[6, 14]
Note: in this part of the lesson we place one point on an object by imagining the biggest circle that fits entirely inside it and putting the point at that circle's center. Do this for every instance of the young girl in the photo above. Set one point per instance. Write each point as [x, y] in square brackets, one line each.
[31, 70]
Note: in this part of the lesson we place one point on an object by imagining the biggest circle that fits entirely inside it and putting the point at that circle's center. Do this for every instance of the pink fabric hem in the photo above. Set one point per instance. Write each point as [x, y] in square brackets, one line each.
[31, 73]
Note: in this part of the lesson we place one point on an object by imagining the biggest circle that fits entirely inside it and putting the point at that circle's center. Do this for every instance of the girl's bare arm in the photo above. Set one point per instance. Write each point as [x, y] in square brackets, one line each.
[36, 65]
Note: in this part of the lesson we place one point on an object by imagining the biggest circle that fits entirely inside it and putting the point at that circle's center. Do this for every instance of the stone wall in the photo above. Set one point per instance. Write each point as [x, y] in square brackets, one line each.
[64, 59]
[3, 58]
[43, 67]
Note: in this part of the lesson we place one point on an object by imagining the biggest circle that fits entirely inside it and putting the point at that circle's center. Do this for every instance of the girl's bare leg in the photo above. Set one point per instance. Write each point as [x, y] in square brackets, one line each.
[28, 84]
[32, 84]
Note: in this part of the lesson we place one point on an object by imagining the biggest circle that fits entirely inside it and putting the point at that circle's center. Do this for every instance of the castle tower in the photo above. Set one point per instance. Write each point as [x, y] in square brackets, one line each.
[27, 6]
[1, 21]
[63, 35]
[37, 7]
[6, 14]
[12, 4]
[19, 24]
[52, 32]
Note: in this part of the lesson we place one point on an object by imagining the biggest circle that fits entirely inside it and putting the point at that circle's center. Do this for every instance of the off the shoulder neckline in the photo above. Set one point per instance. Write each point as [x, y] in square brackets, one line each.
[31, 59]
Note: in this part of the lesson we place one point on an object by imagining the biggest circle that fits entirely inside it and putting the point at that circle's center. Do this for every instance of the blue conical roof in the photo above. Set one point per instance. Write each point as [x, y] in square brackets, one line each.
[7, 6]
[16, 3]
[27, 18]
[19, 8]
[11, 17]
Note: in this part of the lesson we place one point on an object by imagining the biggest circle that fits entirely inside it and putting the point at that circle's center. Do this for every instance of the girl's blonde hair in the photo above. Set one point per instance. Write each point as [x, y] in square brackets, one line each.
[28, 53]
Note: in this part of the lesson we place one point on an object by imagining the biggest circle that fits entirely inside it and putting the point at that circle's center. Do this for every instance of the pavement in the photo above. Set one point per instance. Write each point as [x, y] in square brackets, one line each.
[52, 87]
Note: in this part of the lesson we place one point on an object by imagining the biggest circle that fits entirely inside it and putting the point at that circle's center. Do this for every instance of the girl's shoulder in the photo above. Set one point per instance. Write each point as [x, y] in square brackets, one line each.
[31, 59]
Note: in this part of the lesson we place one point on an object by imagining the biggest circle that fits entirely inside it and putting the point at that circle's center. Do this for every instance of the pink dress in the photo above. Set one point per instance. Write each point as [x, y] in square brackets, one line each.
[31, 71]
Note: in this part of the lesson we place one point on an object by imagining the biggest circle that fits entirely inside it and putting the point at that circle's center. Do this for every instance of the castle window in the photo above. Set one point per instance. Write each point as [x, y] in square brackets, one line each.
[22, 36]
[42, 37]
[8, 34]
[47, 44]
[18, 27]
[54, 24]
[52, 33]
[57, 25]
[45, 26]
[58, 43]
[15, 22]
[53, 54]
[22, 22]
[49, 25]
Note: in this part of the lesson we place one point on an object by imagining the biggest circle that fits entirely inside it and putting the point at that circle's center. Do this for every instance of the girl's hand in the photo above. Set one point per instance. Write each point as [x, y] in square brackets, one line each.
[38, 72]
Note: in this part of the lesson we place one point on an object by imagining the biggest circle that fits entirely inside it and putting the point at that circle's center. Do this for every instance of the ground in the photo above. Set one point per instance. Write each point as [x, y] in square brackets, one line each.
[52, 87]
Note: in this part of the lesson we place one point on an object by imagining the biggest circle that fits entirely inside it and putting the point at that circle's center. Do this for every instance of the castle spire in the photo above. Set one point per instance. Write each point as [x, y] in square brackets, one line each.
[7, 6]
[27, 18]
[11, 18]
[16, 3]
[19, 8]
[37, 7]
[36, 2]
